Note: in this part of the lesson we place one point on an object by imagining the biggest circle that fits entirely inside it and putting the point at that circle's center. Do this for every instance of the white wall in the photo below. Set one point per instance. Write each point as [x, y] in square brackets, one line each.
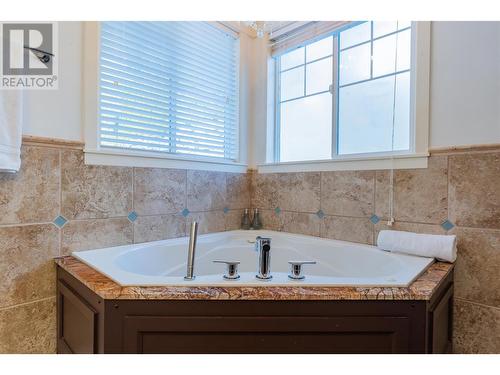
[465, 89]
[465, 83]
[57, 113]
[258, 135]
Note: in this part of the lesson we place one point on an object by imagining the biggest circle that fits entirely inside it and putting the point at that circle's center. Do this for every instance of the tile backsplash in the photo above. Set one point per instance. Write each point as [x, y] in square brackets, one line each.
[56, 204]
[459, 193]
[100, 206]
[347, 205]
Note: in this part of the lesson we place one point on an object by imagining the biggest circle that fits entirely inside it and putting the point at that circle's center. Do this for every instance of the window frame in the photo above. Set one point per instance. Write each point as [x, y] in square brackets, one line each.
[415, 157]
[95, 154]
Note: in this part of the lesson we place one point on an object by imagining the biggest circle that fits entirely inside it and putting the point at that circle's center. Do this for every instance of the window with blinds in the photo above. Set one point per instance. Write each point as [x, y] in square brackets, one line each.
[169, 87]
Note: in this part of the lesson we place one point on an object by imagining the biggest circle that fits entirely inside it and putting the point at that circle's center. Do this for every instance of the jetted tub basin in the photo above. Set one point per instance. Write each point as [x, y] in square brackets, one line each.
[338, 263]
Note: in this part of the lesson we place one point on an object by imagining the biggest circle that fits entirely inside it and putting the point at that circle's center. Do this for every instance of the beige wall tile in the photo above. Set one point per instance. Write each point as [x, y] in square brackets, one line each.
[95, 233]
[159, 191]
[29, 329]
[475, 190]
[292, 222]
[32, 194]
[209, 222]
[270, 220]
[206, 190]
[266, 190]
[94, 191]
[300, 192]
[477, 272]
[26, 266]
[348, 193]
[232, 219]
[347, 229]
[421, 195]
[382, 194]
[160, 227]
[300, 223]
[288, 191]
[252, 184]
[476, 328]
[238, 190]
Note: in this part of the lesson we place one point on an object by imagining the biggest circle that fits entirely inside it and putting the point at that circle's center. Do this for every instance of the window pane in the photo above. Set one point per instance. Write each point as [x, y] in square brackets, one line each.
[292, 58]
[292, 83]
[319, 49]
[355, 35]
[354, 64]
[306, 128]
[402, 117]
[384, 27]
[404, 50]
[319, 76]
[365, 116]
[381, 28]
[403, 24]
[384, 53]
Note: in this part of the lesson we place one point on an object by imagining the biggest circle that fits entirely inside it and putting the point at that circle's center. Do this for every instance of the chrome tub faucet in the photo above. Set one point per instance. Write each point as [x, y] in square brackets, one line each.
[263, 246]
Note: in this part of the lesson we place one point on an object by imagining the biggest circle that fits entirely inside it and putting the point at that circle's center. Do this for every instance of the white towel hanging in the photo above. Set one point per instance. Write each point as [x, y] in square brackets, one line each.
[11, 114]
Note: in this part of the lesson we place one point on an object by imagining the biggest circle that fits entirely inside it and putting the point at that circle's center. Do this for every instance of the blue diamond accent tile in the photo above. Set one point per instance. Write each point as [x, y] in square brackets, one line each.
[320, 214]
[226, 210]
[60, 221]
[185, 212]
[447, 225]
[132, 216]
[277, 210]
[374, 219]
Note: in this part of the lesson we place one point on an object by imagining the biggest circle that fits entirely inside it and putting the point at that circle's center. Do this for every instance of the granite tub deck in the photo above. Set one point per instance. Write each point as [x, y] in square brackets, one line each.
[422, 289]
[96, 315]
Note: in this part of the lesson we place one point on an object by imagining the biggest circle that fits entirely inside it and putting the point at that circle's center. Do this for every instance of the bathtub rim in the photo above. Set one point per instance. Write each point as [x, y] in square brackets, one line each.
[280, 279]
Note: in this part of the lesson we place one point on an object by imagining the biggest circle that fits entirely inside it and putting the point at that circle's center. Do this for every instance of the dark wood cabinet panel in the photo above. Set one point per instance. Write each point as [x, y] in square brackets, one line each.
[273, 334]
[241, 326]
[441, 321]
[76, 322]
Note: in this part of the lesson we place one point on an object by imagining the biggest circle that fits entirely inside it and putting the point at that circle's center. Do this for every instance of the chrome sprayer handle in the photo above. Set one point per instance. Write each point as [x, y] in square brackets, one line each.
[193, 234]
[296, 268]
[231, 270]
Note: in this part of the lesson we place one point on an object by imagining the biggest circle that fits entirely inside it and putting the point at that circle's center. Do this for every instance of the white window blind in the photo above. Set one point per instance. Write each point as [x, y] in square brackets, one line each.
[303, 35]
[169, 87]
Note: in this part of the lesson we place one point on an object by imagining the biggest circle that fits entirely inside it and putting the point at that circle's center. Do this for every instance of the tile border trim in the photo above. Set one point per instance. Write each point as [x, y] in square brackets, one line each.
[31, 140]
[464, 149]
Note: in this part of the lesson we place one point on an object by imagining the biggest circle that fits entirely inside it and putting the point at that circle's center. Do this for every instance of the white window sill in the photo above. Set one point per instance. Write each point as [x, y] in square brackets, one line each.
[350, 163]
[128, 158]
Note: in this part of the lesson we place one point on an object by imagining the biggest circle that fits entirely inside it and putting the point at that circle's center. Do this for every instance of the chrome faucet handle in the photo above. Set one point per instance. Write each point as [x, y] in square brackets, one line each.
[262, 243]
[263, 247]
[296, 268]
[231, 270]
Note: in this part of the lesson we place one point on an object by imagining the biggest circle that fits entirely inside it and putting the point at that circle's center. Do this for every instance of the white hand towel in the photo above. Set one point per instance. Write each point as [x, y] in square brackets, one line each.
[441, 247]
[10, 130]
[11, 111]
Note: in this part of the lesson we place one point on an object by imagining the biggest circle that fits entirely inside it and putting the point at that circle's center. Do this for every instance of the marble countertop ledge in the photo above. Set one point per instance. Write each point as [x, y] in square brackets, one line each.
[421, 289]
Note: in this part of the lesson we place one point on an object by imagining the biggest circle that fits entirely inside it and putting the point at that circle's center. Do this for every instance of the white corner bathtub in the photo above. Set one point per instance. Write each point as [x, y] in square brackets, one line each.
[338, 263]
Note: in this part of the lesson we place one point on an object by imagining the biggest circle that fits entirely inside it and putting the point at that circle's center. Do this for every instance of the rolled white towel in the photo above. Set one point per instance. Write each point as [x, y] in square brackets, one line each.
[441, 247]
